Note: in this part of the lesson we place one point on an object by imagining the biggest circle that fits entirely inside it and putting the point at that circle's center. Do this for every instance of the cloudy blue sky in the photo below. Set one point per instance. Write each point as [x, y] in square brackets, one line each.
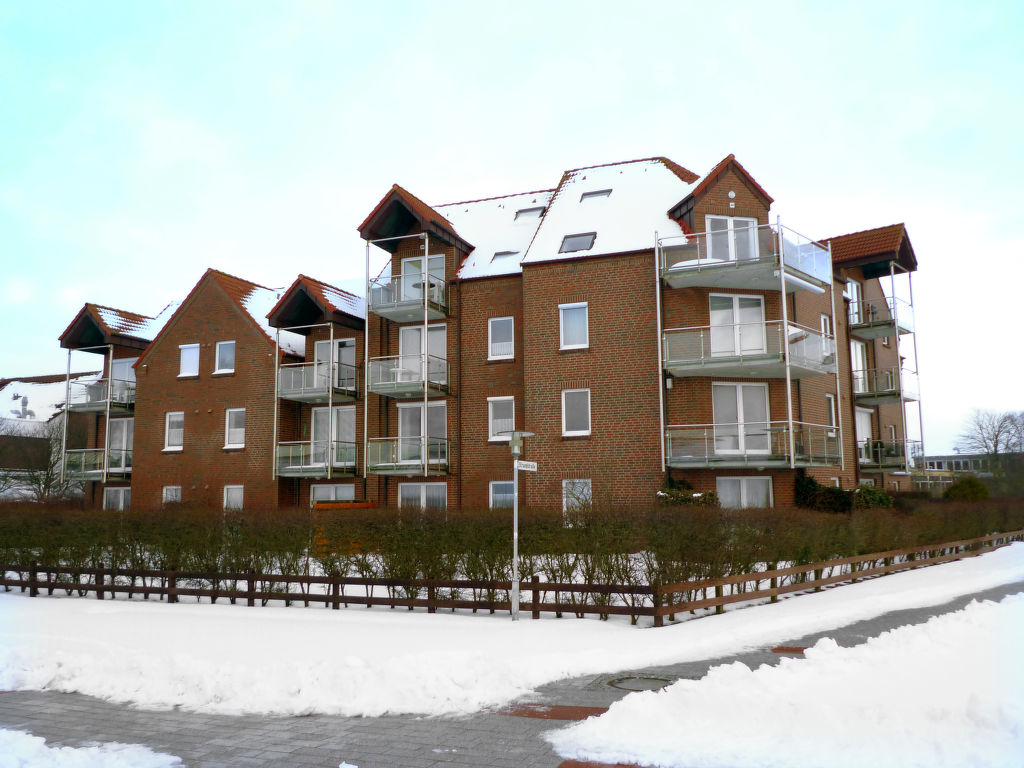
[143, 142]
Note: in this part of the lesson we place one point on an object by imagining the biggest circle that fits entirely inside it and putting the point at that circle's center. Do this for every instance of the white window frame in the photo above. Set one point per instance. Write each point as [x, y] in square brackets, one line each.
[731, 233]
[227, 428]
[743, 422]
[575, 481]
[743, 480]
[490, 338]
[590, 425]
[830, 410]
[892, 433]
[854, 293]
[835, 482]
[169, 492]
[182, 373]
[561, 324]
[241, 502]
[424, 426]
[349, 488]
[739, 338]
[168, 446]
[123, 494]
[216, 357]
[825, 322]
[492, 435]
[490, 493]
[423, 493]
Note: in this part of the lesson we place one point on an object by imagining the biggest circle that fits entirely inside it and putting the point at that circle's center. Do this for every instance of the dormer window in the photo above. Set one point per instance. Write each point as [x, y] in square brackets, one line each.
[529, 213]
[597, 194]
[581, 242]
[503, 256]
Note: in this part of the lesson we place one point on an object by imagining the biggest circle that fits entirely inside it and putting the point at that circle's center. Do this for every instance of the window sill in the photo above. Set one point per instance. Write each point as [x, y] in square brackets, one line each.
[499, 439]
[234, 447]
[188, 375]
[507, 359]
[575, 435]
[224, 373]
[574, 349]
[172, 450]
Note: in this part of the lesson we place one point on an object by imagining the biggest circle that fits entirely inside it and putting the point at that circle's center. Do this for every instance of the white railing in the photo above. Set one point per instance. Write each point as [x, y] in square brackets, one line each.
[879, 382]
[752, 442]
[313, 379]
[388, 373]
[889, 453]
[746, 245]
[299, 457]
[404, 289]
[406, 452]
[93, 395]
[883, 311]
[708, 344]
[80, 462]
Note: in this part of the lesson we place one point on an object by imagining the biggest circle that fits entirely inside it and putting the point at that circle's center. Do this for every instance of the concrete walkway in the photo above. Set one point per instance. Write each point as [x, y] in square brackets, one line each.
[508, 739]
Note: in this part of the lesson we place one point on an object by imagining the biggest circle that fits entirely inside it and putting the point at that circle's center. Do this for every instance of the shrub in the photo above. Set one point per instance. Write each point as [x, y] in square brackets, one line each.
[868, 496]
[969, 488]
[835, 500]
[805, 489]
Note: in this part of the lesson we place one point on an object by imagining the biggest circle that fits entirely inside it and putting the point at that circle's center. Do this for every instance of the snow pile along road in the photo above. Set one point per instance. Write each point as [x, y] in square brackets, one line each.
[949, 692]
[290, 661]
[23, 750]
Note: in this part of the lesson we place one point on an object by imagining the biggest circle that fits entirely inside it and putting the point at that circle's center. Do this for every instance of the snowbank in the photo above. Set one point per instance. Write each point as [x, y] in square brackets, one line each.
[234, 659]
[944, 693]
[23, 750]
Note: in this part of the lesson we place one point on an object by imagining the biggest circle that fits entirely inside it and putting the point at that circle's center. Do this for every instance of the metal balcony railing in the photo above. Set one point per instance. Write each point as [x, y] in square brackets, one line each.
[402, 297]
[93, 396]
[874, 318]
[312, 382]
[881, 385]
[745, 256]
[91, 463]
[317, 458]
[403, 375]
[751, 349]
[885, 454]
[404, 455]
[764, 443]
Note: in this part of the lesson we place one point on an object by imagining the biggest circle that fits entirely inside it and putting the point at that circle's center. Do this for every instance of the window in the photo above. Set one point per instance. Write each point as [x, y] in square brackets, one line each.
[741, 418]
[410, 351]
[234, 428]
[334, 437]
[189, 361]
[885, 341]
[830, 410]
[597, 194]
[120, 438]
[345, 492]
[423, 495]
[412, 278]
[343, 363]
[576, 495]
[731, 238]
[826, 325]
[859, 366]
[174, 431]
[835, 482]
[501, 494]
[225, 357]
[172, 494]
[501, 417]
[410, 432]
[737, 325]
[234, 496]
[868, 481]
[853, 294]
[574, 326]
[528, 214]
[892, 434]
[500, 338]
[117, 498]
[575, 412]
[736, 492]
[582, 242]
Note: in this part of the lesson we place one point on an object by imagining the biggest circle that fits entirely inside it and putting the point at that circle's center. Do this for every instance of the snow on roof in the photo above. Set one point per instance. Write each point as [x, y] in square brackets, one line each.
[336, 298]
[36, 399]
[257, 302]
[625, 220]
[138, 326]
[492, 225]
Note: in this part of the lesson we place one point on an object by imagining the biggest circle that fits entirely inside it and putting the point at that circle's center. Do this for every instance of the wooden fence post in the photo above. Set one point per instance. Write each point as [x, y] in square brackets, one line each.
[817, 577]
[335, 593]
[718, 593]
[774, 582]
[659, 620]
[250, 581]
[431, 599]
[534, 581]
[172, 586]
[99, 580]
[33, 576]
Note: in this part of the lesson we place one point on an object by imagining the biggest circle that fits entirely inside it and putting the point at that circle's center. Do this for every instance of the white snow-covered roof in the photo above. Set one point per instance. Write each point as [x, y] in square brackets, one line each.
[345, 301]
[257, 303]
[492, 226]
[34, 400]
[135, 325]
[624, 220]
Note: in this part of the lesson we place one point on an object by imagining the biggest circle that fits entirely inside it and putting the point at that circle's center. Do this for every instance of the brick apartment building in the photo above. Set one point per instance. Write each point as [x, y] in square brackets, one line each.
[644, 322]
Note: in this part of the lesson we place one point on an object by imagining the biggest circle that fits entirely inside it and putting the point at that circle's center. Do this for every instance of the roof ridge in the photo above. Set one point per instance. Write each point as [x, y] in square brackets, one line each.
[495, 197]
[866, 231]
[222, 273]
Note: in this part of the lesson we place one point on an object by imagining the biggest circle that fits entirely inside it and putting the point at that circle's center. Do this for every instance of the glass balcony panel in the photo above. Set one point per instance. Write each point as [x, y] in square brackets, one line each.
[874, 318]
[310, 382]
[402, 375]
[883, 384]
[751, 444]
[748, 349]
[92, 396]
[400, 297]
[404, 455]
[312, 458]
[889, 454]
[806, 256]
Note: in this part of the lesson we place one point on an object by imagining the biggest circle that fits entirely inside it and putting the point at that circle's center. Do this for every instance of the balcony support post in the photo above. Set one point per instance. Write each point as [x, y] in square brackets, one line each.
[106, 412]
[329, 458]
[917, 366]
[661, 343]
[64, 431]
[785, 344]
[899, 370]
[425, 348]
[366, 375]
[277, 383]
[835, 345]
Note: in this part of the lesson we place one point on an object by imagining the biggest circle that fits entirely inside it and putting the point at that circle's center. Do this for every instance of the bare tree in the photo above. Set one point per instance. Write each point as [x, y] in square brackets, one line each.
[991, 432]
[30, 461]
[1016, 442]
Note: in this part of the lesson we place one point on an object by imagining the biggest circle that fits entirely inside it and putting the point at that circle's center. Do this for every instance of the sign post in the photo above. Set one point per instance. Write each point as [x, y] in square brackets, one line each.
[516, 444]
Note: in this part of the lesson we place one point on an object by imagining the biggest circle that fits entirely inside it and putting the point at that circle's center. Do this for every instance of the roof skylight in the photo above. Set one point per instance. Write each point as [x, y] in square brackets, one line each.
[581, 242]
[502, 255]
[529, 213]
[595, 194]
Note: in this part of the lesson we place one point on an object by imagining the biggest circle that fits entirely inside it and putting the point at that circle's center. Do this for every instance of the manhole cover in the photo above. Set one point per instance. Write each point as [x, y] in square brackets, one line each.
[639, 683]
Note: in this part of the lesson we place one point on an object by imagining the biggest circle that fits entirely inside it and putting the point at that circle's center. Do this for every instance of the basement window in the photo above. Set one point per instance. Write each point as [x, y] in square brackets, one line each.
[595, 195]
[581, 242]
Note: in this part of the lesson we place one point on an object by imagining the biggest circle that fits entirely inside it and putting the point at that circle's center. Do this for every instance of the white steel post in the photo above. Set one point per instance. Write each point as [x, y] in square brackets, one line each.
[366, 373]
[106, 412]
[917, 362]
[64, 435]
[835, 345]
[426, 346]
[899, 366]
[277, 380]
[785, 344]
[660, 342]
[331, 427]
[515, 526]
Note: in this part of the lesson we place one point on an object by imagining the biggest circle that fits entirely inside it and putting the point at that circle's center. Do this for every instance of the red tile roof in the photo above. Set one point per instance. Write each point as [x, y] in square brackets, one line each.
[332, 298]
[869, 242]
[420, 209]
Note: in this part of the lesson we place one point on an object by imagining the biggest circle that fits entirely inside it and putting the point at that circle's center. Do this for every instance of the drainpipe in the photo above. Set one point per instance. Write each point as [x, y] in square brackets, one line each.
[835, 345]
[899, 368]
[64, 435]
[785, 345]
[277, 374]
[660, 342]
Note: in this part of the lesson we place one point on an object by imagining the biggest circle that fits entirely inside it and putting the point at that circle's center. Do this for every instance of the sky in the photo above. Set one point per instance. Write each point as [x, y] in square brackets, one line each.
[141, 143]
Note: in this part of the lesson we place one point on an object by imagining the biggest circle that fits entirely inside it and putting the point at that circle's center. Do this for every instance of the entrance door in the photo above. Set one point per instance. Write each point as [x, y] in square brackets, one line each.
[119, 444]
[122, 380]
[737, 325]
[741, 418]
[413, 279]
[410, 349]
[859, 366]
[862, 426]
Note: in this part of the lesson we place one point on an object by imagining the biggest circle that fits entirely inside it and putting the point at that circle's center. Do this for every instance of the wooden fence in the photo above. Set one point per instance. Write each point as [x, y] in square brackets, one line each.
[656, 601]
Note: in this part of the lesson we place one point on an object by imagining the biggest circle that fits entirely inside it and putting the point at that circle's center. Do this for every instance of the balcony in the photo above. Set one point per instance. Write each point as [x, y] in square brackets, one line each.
[751, 444]
[404, 456]
[746, 257]
[748, 350]
[402, 376]
[318, 382]
[877, 318]
[317, 459]
[95, 463]
[402, 297]
[880, 455]
[884, 385]
[94, 396]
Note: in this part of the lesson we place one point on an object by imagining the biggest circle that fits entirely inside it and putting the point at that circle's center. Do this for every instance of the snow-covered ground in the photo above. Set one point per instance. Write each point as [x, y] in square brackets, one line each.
[233, 659]
[22, 750]
[949, 692]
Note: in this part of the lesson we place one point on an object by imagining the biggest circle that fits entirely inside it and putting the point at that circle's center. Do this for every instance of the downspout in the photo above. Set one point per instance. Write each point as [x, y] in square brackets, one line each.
[64, 434]
[917, 363]
[785, 343]
[835, 346]
[660, 343]
[277, 379]
[106, 412]
[899, 368]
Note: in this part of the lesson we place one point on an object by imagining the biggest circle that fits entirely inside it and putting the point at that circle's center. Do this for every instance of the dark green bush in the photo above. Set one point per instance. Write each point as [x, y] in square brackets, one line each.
[834, 500]
[868, 496]
[968, 488]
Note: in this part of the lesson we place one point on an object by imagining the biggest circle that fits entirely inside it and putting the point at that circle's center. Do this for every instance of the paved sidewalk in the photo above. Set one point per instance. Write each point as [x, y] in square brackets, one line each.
[487, 739]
